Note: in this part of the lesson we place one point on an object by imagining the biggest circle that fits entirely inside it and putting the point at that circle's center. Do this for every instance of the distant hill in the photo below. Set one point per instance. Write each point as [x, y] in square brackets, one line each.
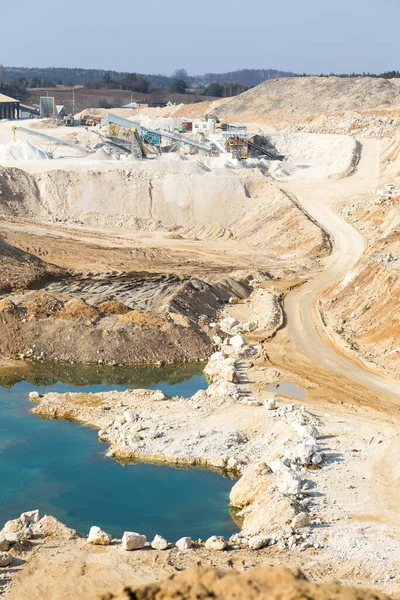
[76, 76]
[247, 77]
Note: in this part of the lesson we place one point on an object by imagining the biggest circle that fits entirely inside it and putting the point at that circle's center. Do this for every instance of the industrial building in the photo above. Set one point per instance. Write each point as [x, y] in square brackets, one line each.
[9, 107]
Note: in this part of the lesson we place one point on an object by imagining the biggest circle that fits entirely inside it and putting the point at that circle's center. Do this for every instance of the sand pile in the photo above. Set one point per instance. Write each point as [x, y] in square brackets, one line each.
[297, 98]
[21, 150]
[256, 584]
[143, 318]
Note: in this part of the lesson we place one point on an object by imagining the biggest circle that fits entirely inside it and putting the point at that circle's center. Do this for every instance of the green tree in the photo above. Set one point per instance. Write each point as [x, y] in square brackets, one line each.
[214, 89]
[105, 104]
[178, 86]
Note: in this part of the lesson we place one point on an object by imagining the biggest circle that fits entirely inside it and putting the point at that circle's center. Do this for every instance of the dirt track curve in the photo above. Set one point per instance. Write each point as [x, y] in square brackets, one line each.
[305, 324]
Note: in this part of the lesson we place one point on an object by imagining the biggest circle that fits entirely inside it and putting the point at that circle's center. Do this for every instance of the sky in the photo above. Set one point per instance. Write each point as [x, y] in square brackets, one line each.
[159, 36]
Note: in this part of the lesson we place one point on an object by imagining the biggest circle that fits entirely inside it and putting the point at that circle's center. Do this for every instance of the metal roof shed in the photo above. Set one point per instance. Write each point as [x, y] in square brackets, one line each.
[9, 107]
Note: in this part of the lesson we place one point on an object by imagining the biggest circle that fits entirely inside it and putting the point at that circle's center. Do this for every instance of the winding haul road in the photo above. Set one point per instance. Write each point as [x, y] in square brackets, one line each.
[305, 324]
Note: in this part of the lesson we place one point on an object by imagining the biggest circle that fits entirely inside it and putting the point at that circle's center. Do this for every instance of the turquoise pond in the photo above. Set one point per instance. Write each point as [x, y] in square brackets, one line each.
[60, 467]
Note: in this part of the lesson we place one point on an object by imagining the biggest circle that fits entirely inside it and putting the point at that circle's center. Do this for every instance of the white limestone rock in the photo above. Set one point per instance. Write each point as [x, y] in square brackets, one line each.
[98, 537]
[230, 326]
[159, 543]
[13, 538]
[32, 516]
[301, 520]
[184, 543]
[288, 482]
[13, 526]
[270, 403]
[133, 541]
[5, 559]
[302, 452]
[34, 396]
[317, 458]
[216, 542]
[257, 542]
[237, 342]
[159, 396]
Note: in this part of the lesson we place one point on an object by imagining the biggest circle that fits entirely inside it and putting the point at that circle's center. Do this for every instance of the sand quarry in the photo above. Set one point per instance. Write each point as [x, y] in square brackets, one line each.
[268, 274]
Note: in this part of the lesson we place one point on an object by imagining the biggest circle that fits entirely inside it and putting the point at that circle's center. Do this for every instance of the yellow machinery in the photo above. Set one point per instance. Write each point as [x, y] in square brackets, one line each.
[120, 132]
[237, 146]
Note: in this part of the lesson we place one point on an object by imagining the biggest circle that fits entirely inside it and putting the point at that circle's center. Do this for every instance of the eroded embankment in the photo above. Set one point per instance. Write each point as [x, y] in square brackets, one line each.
[183, 197]
[155, 319]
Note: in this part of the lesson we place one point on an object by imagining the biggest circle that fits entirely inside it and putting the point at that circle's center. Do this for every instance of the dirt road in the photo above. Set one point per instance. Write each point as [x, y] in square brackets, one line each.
[305, 324]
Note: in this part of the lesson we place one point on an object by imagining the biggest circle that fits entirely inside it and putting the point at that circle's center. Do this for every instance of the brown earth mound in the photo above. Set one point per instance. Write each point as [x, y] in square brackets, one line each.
[112, 307]
[20, 270]
[77, 308]
[143, 318]
[255, 584]
[43, 306]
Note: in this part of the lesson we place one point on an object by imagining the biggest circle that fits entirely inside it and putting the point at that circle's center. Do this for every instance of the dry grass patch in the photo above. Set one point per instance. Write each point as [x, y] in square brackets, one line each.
[112, 307]
[77, 308]
[143, 318]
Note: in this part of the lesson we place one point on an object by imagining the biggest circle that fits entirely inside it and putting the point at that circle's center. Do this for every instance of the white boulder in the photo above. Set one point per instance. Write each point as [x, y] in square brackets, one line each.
[270, 403]
[301, 520]
[230, 326]
[13, 538]
[133, 541]
[288, 482]
[216, 542]
[5, 559]
[32, 516]
[98, 537]
[159, 543]
[302, 452]
[184, 543]
[237, 342]
[34, 396]
[317, 458]
[13, 526]
[258, 541]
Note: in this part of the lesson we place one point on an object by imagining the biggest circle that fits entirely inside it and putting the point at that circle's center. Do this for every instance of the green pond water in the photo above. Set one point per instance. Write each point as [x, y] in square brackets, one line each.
[60, 467]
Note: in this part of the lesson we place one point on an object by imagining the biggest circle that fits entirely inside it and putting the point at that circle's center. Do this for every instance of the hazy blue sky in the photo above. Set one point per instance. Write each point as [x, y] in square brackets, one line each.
[209, 35]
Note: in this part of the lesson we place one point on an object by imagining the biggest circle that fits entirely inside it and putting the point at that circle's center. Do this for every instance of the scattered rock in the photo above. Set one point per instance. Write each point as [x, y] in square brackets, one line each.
[133, 541]
[301, 520]
[4, 544]
[288, 482]
[258, 541]
[184, 543]
[216, 542]
[12, 526]
[98, 537]
[5, 559]
[238, 341]
[159, 543]
[270, 403]
[27, 518]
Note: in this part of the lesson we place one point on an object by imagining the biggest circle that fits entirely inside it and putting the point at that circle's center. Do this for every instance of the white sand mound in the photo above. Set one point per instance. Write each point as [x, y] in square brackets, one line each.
[21, 150]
